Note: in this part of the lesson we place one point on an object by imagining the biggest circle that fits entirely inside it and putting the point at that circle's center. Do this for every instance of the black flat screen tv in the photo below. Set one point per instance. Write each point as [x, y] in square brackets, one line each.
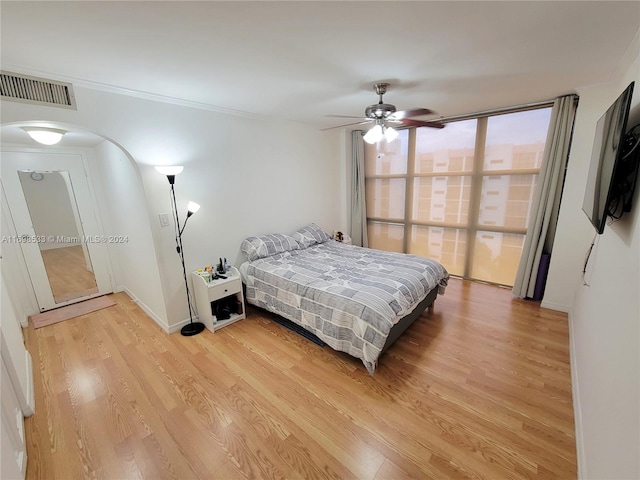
[603, 192]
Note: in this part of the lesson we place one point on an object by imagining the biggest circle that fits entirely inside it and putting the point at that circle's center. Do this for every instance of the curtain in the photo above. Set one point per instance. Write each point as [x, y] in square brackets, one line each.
[358, 204]
[546, 204]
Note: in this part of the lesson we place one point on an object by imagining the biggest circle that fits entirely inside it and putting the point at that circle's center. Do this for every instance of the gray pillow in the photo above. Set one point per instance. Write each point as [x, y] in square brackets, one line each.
[310, 235]
[267, 245]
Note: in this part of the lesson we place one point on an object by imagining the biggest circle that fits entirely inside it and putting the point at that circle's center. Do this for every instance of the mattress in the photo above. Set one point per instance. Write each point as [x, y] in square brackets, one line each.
[348, 296]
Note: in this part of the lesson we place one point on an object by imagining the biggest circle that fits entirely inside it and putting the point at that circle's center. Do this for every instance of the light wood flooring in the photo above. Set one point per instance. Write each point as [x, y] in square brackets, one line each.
[67, 272]
[478, 387]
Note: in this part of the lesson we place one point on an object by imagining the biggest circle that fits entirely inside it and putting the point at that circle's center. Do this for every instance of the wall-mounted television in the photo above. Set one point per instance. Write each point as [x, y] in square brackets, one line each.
[614, 165]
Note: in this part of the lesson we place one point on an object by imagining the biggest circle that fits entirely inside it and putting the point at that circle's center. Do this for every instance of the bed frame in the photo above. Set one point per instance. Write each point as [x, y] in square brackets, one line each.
[405, 322]
[396, 331]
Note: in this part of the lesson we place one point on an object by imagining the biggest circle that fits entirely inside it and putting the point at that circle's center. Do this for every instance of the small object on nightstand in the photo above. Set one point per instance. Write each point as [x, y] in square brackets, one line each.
[342, 238]
[204, 274]
[220, 268]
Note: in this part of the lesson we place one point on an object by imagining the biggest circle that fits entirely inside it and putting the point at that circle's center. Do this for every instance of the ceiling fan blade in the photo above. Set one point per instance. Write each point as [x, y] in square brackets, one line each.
[407, 122]
[346, 125]
[344, 116]
[414, 112]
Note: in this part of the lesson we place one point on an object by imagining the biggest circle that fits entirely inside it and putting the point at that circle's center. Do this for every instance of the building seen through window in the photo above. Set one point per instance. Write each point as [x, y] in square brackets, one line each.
[462, 195]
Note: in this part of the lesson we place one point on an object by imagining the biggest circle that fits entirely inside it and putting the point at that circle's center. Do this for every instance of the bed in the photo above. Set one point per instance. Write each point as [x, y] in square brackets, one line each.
[356, 300]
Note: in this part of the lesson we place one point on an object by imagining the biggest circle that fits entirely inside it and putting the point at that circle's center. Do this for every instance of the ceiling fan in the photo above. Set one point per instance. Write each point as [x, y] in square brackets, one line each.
[385, 116]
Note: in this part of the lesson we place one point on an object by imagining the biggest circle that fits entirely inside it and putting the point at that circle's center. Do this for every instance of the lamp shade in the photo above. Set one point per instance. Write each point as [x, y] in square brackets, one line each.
[44, 135]
[192, 207]
[169, 169]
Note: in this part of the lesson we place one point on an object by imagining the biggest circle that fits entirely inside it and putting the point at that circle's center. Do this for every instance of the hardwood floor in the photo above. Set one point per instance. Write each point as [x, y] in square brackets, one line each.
[479, 387]
[67, 273]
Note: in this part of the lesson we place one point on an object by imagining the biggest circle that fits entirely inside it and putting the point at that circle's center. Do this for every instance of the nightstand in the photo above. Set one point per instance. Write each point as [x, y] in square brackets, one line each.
[211, 293]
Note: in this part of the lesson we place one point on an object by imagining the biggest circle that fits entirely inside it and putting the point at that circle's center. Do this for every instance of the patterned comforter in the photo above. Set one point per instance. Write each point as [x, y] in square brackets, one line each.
[348, 296]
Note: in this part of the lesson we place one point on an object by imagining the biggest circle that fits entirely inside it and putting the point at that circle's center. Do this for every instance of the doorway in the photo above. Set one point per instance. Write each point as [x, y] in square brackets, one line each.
[54, 213]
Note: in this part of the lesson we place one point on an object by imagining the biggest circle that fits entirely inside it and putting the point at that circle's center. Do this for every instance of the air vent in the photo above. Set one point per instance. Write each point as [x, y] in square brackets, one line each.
[41, 91]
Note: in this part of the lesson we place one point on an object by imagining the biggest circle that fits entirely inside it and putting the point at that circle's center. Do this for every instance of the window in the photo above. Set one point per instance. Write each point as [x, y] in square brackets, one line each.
[461, 195]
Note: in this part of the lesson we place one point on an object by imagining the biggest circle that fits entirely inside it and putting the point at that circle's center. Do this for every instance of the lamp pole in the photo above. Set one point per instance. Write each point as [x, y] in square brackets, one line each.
[191, 328]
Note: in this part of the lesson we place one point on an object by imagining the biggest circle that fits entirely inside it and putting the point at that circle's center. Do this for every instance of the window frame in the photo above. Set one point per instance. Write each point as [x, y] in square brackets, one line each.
[477, 175]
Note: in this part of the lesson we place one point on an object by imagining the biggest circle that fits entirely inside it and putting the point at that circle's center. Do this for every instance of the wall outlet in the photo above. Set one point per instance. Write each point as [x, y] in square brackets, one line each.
[164, 219]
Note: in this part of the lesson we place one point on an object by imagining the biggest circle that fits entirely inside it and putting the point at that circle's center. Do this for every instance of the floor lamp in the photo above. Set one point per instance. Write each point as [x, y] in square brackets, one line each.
[191, 328]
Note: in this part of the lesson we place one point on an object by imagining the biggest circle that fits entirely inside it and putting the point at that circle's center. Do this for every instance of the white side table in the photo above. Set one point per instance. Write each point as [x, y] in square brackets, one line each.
[208, 292]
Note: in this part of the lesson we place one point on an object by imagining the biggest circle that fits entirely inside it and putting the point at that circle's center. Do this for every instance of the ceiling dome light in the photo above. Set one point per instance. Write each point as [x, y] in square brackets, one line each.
[44, 135]
[374, 135]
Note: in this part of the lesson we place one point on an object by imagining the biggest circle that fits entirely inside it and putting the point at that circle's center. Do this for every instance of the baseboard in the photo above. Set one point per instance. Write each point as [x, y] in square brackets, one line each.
[145, 309]
[176, 327]
[577, 412]
[554, 306]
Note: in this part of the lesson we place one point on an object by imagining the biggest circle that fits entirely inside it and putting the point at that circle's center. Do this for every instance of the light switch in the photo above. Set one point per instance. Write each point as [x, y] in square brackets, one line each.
[164, 219]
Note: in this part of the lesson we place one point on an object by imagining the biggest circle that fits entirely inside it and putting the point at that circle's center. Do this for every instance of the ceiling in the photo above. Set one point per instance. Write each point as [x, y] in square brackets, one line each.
[304, 61]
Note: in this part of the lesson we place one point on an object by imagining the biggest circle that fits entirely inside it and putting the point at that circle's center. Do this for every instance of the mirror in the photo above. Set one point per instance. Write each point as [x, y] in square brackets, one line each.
[58, 230]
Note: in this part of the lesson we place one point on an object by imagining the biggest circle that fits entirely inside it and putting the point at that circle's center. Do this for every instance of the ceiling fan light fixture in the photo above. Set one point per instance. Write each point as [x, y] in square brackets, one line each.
[390, 134]
[44, 135]
[380, 113]
[374, 135]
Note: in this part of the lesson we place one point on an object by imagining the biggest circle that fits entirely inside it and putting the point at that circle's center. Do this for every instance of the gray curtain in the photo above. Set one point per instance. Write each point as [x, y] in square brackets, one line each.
[358, 204]
[546, 204]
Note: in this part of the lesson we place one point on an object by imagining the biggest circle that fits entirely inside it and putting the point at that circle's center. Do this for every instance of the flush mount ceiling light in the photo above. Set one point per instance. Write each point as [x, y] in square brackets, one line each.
[45, 135]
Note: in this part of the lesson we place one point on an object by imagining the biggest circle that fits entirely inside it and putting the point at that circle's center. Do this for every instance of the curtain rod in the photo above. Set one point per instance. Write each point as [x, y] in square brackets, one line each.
[498, 111]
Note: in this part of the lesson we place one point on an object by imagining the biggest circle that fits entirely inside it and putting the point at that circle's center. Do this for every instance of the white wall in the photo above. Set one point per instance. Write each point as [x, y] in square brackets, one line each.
[256, 177]
[604, 317]
[125, 207]
[251, 176]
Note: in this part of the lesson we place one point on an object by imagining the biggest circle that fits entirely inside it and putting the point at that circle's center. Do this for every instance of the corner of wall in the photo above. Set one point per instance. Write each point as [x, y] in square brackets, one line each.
[145, 308]
[560, 307]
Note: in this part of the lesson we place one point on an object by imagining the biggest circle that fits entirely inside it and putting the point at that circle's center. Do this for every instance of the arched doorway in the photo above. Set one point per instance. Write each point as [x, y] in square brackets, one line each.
[55, 224]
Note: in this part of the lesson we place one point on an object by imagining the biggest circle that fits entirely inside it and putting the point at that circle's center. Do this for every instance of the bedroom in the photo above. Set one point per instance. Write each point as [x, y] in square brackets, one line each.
[230, 176]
